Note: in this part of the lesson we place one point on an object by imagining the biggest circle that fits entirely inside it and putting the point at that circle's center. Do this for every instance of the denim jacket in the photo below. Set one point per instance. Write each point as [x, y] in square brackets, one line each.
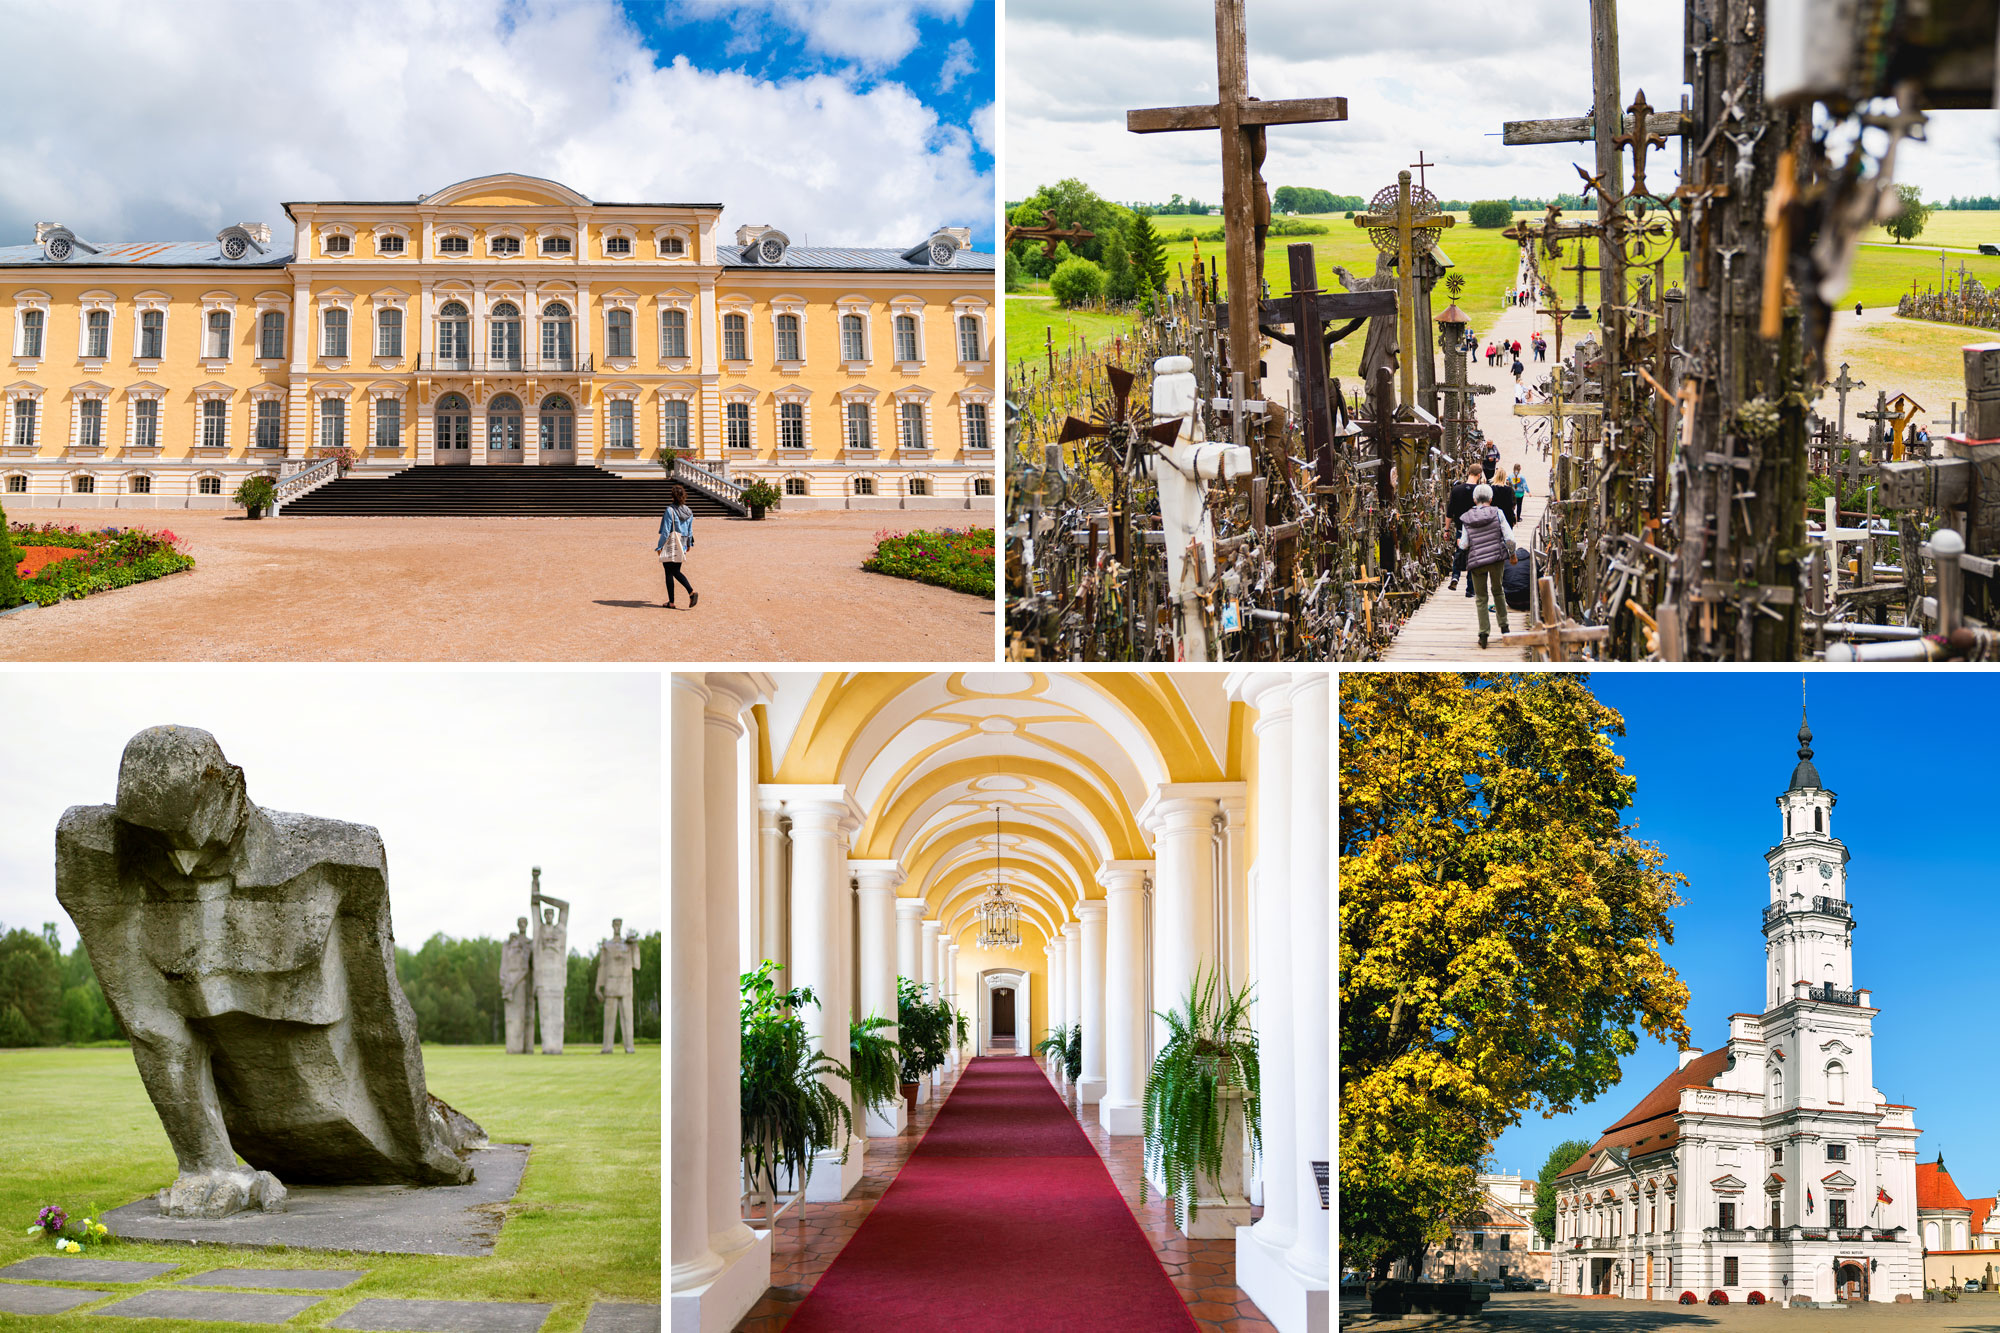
[677, 517]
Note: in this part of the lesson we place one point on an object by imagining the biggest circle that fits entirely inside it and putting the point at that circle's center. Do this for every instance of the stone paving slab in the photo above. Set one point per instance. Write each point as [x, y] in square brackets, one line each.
[293, 1279]
[229, 1307]
[64, 1268]
[45, 1300]
[375, 1219]
[609, 1318]
[445, 1316]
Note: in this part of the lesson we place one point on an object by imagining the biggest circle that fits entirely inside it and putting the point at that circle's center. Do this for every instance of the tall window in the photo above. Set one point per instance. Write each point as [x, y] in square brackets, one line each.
[503, 425]
[332, 424]
[969, 342]
[788, 338]
[735, 338]
[504, 334]
[558, 424]
[1836, 1083]
[153, 334]
[1729, 1271]
[860, 434]
[333, 333]
[268, 430]
[90, 423]
[1726, 1216]
[556, 334]
[31, 333]
[389, 332]
[1777, 1212]
[791, 425]
[97, 333]
[620, 426]
[388, 423]
[618, 333]
[271, 335]
[214, 423]
[906, 337]
[454, 333]
[913, 427]
[673, 333]
[853, 338]
[975, 427]
[674, 424]
[145, 423]
[736, 425]
[218, 333]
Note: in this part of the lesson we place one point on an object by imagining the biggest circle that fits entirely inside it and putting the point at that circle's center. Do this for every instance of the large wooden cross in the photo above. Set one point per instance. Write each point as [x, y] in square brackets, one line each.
[1308, 311]
[1406, 222]
[1246, 208]
[1048, 233]
[1556, 410]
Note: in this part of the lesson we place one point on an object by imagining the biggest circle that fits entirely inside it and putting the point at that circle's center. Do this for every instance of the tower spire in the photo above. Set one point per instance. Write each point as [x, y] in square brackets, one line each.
[1805, 775]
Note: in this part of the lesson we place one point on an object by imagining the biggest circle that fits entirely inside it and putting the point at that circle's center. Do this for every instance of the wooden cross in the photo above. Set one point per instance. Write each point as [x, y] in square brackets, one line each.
[1049, 233]
[1308, 311]
[1246, 208]
[1422, 184]
[1406, 222]
[1556, 410]
[1876, 420]
[1556, 634]
[1841, 386]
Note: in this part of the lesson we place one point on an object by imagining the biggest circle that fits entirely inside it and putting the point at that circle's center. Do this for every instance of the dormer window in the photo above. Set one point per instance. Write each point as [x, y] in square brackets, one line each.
[618, 245]
[555, 245]
[672, 245]
[454, 245]
[506, 245]
[389, 245]
[339, 245]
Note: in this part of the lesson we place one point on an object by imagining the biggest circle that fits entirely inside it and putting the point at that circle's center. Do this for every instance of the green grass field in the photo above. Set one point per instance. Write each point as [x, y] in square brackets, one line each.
[1962, 227]
[585, 1226]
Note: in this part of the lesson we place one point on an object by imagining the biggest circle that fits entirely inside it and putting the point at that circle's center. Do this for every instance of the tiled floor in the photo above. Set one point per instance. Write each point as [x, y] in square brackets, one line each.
[811, 1235]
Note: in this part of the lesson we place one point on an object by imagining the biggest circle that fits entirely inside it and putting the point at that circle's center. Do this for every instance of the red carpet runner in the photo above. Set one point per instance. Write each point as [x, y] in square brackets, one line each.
[1003, 1218]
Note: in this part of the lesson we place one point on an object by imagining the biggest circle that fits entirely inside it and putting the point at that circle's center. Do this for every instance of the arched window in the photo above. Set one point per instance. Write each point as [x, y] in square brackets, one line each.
[271, 335]
[454, 335]
[558, 345]
[618, 333]
[208, 485]
[920, 485]
[97, 333]
[982, 485]
[84, 485]
[864, 485]
[453, 427]
[17, 483]
[153, 334]
[788, 338]
[558, 425]
[735, 338]
[389, 332]
[853, 338]
[1774, 1086]
[1836, 1082]
[141, 484]
[503, 426]
[673, 334]
[505, 336]
[333, 332]
[218, 333]
[1819, 820]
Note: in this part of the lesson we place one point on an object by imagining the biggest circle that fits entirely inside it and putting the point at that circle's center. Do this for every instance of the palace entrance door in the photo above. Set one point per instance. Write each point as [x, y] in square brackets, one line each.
[1848, 1283]
[1600, 1277]
[452, 431]
[1003, 1016]
[558, 427]
[503, 430]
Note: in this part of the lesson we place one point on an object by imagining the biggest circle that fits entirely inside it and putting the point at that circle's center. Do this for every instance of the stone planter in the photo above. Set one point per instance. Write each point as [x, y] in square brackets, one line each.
[1223, 1204]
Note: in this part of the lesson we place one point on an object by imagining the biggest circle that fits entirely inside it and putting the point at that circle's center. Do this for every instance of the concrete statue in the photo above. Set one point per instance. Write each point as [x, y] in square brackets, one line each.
[516, 965]
[249, 955]
[617, 960]
[551, 963]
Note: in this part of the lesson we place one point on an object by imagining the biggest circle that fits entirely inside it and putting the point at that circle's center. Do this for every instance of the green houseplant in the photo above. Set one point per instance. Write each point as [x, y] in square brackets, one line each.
[1209, 1059]
[1056, 1044]
[1073, 1053]
[874, 1062]
[10, 559]
[761, 495]
[924, 1030]
[256, 494]
[788, 1111]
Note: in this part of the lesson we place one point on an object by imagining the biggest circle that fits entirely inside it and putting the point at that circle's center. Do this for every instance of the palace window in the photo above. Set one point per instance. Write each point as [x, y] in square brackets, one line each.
[906, 338]
[97, 333]
[982, 485]
[389, 245]
[17, 483]
[920, 485]
[454, 333]
[504, 336]
[339, 245]
[674, 424]
[1836, 1152]
[31, 333]
[860, 433]
[736, 425]
[791, 425]
[1777, 1152]
[1726, 1216]
[788, 338]
[145, 423]
[913, 427]
[672, 245]
[209, 486]
[332, 424]
[618, 245]
[621, 427]
[84, 485]
[455, 245]
[90, 423]
[1729, 1271]
[269, 431]
[1777, 1211]
[141, 485]
[555, 245]
[795, 485]
[214, 423]
[333, 333]
[557, 423]
[556, 336]
[218, 333]
[1670, 1215]
[503, 425]
[735, 338]
[864, 485]
[853, 338]
[975, 427]
[969, 341]
[153, 334]
[673, 334]
[504, 245]
[388, 423]
[1652, 1217]
[1836, 1083]
[389, 332]
[618, 333]
[271, 335]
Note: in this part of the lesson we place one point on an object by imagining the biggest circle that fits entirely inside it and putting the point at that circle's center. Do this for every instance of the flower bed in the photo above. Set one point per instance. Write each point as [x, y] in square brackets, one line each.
[58, 562]
[955, 558]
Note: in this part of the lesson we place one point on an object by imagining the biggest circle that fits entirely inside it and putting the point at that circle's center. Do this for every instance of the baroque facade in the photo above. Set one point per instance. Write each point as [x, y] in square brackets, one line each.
[503, 321]
[1771, 1169]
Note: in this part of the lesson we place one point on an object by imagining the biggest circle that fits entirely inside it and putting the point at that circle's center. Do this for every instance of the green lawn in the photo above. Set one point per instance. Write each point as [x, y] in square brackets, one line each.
[1030, 324]
[585, 1226]
[1966, 227]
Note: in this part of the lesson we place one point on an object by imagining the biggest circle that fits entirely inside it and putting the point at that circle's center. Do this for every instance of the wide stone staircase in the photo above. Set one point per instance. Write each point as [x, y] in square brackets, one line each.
[503, 492]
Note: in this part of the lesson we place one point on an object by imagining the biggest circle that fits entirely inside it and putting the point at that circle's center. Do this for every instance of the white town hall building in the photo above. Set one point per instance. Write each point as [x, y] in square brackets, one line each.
[1772, 1169]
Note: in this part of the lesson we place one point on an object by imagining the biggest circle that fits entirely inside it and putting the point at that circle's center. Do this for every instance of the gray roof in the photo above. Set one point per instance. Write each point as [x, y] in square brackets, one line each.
[143, 254]
[851, 260]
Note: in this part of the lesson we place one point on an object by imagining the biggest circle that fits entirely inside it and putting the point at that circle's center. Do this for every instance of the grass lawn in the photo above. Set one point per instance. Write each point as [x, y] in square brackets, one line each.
[1966, 227]
[1031, 323]
[1909, 356]
[585, 1226]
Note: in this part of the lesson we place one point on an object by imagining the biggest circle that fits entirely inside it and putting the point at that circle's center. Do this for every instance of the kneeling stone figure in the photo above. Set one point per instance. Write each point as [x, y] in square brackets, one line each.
[248, 953]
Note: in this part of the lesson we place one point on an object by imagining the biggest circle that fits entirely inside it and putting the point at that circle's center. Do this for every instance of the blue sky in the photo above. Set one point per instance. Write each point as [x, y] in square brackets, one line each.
[1711, 751]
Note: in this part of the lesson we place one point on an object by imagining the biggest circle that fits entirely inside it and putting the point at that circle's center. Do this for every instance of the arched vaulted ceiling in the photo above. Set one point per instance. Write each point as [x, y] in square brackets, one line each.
[1068, 759]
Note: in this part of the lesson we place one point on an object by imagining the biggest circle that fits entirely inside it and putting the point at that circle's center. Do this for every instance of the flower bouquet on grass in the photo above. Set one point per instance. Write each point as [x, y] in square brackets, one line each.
[71, 1235]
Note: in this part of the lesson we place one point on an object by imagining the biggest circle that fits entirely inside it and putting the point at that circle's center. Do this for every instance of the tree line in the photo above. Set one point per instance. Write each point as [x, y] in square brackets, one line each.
[51, 998]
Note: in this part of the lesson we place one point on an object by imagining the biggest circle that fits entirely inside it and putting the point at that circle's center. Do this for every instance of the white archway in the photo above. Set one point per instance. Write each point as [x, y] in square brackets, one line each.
[996, 979]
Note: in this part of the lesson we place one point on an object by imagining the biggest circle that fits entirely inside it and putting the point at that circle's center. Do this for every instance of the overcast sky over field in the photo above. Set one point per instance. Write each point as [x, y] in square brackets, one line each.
[471, 778]
[1435, 75]
[866, 122]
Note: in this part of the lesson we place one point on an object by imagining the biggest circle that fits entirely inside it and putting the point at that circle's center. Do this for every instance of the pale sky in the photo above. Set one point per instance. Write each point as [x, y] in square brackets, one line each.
[1439, 76]
[471, 777]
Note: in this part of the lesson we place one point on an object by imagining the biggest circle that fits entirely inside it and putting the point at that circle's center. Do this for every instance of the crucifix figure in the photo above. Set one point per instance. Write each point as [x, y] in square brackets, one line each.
[1405, 219]
[1841, 387]
[1183, 464]
[1246, 204]
[1310, 312]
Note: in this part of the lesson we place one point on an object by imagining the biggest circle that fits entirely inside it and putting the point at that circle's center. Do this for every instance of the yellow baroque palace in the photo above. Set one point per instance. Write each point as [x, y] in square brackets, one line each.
[504, 321]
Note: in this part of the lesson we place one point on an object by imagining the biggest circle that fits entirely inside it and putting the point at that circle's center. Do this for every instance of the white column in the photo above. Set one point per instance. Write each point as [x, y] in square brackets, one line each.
[729, 695]
[1312, 1008]
[910, 957]
[951, 992]
[1180, 817]
[771, 881]
[1125, 1004]
[1073, 977]
[878, 967]
[1058, 995]
[1090, 1088]
[930, 955]
[693, 1261]
[820, 924]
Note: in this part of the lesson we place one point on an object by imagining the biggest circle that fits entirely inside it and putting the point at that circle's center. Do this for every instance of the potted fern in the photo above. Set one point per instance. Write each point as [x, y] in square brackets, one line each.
[874, 1063]
[922, 1038]
[1201, 1099]
[788, 1111]
[1056, 1047]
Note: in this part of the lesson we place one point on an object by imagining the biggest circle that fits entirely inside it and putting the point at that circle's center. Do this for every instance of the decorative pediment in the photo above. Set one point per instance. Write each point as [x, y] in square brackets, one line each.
[1673, 1183]
[1839, 1180]
[1652, 1186]
[1728, 1184]
[505, 191]
[1836, 1047]
[1775, 1185]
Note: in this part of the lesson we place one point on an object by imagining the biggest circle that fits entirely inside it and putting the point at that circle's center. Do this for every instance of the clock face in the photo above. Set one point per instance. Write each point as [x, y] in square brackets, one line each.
[942, 251]
[1825, 871]
[770, 251]
[59, 248]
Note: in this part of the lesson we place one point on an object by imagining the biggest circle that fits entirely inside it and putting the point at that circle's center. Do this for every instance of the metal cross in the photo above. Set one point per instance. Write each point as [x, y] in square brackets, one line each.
[1406, 222]
[1420, 164]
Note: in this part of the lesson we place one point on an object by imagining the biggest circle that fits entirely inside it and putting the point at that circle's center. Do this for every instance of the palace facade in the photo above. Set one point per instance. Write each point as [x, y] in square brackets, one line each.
[503, 321]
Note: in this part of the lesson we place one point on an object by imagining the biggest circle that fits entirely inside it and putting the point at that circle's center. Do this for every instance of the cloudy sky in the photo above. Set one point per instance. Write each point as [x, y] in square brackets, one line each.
[1435, 75]
[471, 777]
[860, 122]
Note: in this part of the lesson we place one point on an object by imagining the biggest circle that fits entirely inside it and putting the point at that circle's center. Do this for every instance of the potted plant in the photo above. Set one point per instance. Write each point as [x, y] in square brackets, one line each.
[670, 456]
[925, 1030]
[256, 494]
[1056, 1045]
[788, 1111]
[1201, 1097]
[1073, 1054]
[761, 495]
[874, 1063]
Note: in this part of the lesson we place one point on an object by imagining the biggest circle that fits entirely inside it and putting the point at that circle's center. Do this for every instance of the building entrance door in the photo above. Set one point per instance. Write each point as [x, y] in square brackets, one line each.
[452, 431]
[558, 427]
[1649, 1277]
[1003, 1014]
[503, 430]
[1600, 1277]
[1848, 1283]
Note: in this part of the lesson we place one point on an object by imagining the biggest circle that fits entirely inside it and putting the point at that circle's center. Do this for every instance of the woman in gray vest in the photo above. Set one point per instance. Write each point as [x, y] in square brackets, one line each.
[1488, 543]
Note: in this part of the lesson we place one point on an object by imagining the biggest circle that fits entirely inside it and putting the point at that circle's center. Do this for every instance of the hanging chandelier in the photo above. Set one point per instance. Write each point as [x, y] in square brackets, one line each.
[999, 915]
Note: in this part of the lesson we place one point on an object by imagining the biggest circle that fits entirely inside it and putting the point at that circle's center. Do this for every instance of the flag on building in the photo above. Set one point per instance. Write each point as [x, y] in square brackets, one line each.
[1810, 1205]
[1882, 1195]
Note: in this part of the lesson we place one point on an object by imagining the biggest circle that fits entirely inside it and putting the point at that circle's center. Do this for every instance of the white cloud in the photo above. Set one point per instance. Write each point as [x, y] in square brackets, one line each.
[958, 62]
[472, 778]
[876, 34]
[383, 100]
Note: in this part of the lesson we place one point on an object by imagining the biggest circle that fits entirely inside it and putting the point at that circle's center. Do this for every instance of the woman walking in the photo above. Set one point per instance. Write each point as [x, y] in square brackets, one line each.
[676, 540]
[1488, 542]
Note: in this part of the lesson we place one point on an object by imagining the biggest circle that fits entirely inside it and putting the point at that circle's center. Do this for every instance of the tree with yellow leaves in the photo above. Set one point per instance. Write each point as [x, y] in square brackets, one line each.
[1500, 934]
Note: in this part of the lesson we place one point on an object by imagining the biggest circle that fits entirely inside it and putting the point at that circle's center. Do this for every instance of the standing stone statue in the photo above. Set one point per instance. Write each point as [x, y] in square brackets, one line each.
[617, 960]
[551, 964]
[516, 966]
[248, 953]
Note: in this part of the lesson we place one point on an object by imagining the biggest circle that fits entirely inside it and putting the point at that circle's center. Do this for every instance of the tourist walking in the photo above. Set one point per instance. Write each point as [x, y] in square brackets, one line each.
[1519, 482]
[1455, 506]
[676, 541]
[1488, 542]
[1519, 369]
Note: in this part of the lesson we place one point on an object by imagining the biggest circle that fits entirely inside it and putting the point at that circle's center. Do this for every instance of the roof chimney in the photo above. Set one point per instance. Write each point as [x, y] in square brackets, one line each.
[260, 232]
[43, 229]
[1688, 1056]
